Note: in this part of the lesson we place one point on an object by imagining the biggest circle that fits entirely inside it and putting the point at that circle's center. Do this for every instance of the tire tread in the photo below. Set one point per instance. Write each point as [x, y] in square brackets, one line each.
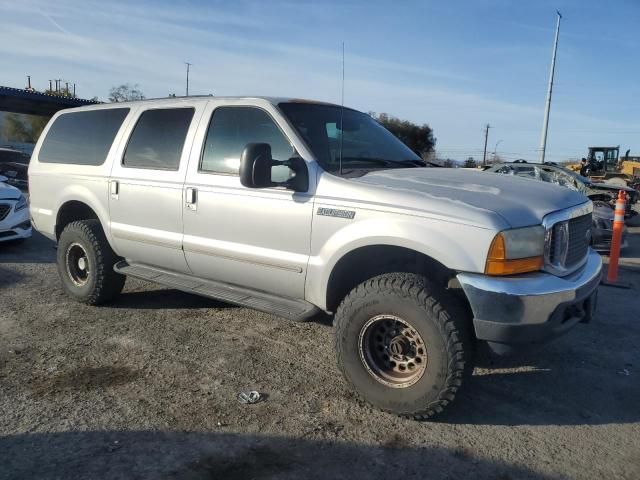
[108, 283]
[415, 288]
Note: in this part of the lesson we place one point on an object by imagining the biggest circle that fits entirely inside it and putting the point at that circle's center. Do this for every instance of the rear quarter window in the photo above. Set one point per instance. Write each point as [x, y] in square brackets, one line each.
[158, 139]
[82, 138]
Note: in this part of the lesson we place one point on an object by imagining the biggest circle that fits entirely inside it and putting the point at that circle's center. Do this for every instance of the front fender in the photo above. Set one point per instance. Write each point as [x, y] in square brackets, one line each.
[457, 246]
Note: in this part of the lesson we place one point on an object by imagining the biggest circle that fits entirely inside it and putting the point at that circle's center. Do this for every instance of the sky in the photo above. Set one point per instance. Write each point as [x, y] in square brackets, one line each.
[455, 65]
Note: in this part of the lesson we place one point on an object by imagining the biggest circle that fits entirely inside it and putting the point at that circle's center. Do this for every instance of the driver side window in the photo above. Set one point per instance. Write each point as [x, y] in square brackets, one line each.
[231, 129]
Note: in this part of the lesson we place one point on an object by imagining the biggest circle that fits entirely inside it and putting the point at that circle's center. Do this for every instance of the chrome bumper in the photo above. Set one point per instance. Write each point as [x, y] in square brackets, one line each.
[533, 307]
[15, 225]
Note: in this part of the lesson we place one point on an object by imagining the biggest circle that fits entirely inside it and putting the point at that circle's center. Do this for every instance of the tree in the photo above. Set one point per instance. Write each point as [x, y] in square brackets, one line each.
[448, 163]
[125, 92]
[14, 129]
[470, 163]
[36, 124]
[418, 138]
[23, 128]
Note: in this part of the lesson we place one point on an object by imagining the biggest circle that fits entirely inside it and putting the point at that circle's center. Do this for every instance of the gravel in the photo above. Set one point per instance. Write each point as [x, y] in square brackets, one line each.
[147, 387]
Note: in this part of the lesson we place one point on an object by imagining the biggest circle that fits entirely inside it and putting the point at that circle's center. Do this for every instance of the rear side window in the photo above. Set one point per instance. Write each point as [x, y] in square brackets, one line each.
[82, 138]
[231, 129]
[158, 138]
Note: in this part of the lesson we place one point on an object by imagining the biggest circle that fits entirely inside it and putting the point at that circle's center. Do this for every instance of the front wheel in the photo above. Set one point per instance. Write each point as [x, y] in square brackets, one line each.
[85, 263]
[400, 347]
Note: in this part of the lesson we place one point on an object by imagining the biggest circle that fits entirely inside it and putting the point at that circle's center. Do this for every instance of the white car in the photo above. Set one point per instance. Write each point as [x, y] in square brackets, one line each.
[14, 213]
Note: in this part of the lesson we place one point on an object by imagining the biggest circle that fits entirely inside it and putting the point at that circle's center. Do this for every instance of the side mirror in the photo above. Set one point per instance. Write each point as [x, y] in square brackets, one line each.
[255, 166]
[255, 169]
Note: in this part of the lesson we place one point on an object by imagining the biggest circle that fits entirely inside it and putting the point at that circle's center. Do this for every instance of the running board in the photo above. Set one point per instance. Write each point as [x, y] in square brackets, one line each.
[283, 306]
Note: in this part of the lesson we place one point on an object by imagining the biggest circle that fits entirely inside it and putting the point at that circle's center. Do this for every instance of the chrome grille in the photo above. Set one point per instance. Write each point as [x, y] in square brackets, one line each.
[4, 210]
[579, 239]
[568, 242]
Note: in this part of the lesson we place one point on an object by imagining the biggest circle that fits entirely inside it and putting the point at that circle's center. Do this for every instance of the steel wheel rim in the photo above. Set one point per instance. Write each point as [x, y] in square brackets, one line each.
[392, 351]
[77, 263]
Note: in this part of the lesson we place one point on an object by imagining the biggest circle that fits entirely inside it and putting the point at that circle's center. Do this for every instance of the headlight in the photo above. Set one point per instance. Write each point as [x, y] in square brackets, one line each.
[519, 250]
[22, 203]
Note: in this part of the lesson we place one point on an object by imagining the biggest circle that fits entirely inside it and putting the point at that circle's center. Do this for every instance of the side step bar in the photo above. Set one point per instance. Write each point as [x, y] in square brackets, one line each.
[283, 306]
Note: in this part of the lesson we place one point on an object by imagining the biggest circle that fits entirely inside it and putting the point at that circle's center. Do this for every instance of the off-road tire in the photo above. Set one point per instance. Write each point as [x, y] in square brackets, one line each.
[102, 283]
[436, 316]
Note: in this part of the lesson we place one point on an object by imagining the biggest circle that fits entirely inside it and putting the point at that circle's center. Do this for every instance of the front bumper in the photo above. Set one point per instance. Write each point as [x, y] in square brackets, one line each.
[16, 225]
[531, 308]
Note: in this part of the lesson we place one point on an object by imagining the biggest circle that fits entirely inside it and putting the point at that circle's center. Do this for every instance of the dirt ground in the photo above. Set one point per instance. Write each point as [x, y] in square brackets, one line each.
[146, 388]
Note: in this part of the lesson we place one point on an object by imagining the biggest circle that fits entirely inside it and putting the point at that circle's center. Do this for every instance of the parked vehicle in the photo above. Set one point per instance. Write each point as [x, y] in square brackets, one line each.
[14, 213]
[293, 207]
[603, 198]
[602, 228]
[14, 165]
[551, 173]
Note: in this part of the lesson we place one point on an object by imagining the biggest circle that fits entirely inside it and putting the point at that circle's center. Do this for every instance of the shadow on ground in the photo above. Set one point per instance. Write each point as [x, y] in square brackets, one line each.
[162, 298]
[228, 456]
[9, 277]
[37, 249]
[547, 396]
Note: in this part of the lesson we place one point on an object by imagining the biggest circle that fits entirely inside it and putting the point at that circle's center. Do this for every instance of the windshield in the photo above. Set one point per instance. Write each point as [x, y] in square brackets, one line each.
[363, 143]
[575, 175]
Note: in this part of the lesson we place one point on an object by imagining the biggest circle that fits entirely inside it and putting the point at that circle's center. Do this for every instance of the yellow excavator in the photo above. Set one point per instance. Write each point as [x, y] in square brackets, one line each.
[604, 163]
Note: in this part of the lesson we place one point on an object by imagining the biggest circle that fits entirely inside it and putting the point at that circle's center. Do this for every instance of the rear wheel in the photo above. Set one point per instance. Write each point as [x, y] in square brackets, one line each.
[85, 263]
[403, 345]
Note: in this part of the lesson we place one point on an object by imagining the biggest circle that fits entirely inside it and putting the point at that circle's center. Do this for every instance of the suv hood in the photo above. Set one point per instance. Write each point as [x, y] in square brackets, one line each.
[7, 192]
[478, 197]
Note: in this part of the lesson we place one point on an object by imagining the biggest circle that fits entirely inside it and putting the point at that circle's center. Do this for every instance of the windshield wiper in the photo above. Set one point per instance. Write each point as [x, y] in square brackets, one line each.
[415, 162]
[385, 162]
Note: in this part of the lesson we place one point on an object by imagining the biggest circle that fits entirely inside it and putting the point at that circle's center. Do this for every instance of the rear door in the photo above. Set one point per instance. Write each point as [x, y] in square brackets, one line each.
[146, 184]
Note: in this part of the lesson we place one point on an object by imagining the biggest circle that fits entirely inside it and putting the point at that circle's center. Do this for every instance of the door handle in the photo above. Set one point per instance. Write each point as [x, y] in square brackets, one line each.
[191, 198]
[115, 188]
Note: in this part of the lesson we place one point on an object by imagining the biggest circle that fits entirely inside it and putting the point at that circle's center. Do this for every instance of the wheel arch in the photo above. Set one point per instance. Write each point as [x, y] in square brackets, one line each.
[72, 211]
[82, 200]
[364, 262]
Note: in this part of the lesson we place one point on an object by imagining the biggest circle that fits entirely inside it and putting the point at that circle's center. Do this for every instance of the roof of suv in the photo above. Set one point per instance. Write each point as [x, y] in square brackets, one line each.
[178, 100]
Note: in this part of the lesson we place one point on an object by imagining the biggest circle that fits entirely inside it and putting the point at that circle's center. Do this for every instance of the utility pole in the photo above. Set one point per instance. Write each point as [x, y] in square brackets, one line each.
[545, 124]
[486, 137]
[188, 65]
[495, 150]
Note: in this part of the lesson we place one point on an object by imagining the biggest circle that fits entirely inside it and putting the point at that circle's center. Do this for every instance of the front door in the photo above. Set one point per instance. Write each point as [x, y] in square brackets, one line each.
[146, 185]
[259, 238]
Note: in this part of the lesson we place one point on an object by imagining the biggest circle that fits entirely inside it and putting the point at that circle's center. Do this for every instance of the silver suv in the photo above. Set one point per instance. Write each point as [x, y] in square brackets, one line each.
[295, 207]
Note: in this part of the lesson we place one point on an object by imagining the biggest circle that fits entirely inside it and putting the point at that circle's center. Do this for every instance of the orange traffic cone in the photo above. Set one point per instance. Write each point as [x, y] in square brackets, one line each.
[616, 240]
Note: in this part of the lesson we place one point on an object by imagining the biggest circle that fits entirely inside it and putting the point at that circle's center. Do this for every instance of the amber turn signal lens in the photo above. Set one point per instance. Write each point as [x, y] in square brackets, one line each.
[511, 267]
[498, 264]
